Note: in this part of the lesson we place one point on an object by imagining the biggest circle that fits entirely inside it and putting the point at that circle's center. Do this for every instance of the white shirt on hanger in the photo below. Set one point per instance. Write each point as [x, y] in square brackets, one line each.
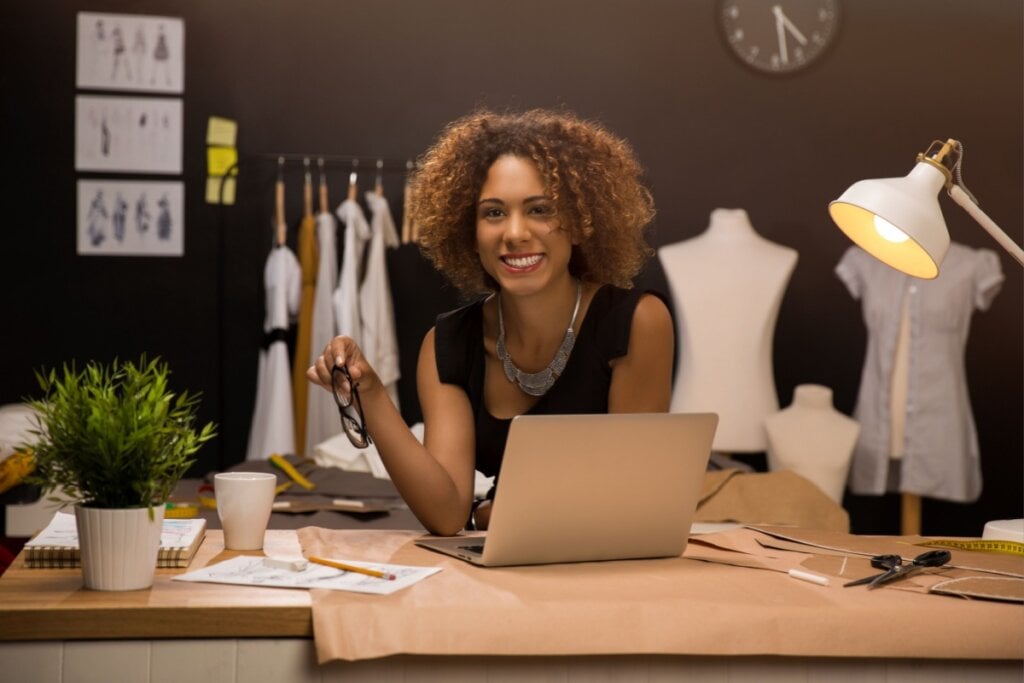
[321, 412]
[380, 340]
[273, 422]
[346, 297]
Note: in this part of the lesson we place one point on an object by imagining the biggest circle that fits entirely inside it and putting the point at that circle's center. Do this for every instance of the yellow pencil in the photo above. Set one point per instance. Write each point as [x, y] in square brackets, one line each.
[352, 568]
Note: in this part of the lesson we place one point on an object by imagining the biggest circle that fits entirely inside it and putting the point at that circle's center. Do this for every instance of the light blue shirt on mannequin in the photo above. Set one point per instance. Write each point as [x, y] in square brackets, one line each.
[940, 454]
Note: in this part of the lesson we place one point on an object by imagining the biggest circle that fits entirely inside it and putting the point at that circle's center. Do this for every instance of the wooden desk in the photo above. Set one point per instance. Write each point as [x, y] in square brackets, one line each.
[57, 631]
[51, 604]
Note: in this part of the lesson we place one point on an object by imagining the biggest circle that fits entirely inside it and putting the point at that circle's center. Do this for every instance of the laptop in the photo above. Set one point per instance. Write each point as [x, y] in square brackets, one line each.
[579, 488]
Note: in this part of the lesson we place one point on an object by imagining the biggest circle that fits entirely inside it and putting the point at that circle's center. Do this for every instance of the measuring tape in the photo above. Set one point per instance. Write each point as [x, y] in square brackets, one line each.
[982, 545]
[280, 463]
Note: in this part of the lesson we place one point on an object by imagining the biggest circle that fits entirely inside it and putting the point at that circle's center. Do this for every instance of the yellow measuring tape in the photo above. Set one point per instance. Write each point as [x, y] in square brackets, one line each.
[981, 545]
[280, 463]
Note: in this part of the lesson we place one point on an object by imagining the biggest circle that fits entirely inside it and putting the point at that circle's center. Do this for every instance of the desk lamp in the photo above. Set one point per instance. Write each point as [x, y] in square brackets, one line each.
[898, 220]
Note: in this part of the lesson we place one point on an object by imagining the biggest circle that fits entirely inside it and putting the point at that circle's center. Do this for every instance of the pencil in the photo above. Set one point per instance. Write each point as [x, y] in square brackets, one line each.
[352, 568]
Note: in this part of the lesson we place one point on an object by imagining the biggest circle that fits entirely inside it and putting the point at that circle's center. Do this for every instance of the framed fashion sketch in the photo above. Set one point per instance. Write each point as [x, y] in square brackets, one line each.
[133, 134]
[131, 218]
[130, 52]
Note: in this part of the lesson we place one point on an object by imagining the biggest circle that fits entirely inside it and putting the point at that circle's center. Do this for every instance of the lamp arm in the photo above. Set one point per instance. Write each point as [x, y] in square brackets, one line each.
[964, 200]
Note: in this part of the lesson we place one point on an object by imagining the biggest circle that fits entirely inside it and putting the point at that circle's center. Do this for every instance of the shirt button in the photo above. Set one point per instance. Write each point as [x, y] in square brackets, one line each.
[913, 289]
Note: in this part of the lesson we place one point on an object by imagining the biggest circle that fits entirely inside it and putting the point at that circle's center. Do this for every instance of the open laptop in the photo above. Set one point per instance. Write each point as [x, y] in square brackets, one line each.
[577, 488]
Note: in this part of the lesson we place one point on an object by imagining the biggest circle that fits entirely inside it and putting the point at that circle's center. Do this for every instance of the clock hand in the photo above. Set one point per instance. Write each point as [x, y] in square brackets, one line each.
[780, 30]
[780, 16]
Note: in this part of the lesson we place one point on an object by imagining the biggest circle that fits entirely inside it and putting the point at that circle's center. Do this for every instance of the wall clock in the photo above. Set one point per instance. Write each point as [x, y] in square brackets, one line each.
[778, 36]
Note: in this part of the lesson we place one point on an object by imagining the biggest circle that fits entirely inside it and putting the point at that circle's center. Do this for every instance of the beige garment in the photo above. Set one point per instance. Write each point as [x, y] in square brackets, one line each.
[308, 260]
[783, 498]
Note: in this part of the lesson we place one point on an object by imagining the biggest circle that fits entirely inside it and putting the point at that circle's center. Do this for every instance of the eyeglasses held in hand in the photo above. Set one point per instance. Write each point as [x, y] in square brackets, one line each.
[350, 408]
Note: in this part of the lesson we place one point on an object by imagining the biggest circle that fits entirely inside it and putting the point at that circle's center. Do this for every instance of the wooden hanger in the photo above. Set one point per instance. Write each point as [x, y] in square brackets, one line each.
[407, 205]
[307, 191]
[282, 228]
[322, 187]
[352, 187]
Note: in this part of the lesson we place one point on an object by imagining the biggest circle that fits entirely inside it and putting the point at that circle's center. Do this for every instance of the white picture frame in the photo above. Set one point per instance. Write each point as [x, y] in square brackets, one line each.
[130, 52]
[128, 134]
[131, 218]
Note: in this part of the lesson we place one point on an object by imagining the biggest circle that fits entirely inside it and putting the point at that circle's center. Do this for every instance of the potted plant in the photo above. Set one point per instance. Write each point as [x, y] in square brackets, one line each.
[116, 440]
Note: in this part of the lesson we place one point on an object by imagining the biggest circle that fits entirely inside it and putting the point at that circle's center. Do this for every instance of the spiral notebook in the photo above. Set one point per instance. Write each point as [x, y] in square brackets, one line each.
[577, 488]
[56, 546]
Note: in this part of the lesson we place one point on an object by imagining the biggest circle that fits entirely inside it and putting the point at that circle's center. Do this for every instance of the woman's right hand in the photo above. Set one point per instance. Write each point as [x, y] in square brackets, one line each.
[344, 351]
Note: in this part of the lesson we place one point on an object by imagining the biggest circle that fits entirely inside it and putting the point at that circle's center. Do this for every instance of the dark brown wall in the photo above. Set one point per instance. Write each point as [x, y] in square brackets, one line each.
[381, 78]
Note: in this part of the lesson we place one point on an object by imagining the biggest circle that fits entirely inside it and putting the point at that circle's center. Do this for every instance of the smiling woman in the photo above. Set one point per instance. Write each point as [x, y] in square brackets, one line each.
[540, 216]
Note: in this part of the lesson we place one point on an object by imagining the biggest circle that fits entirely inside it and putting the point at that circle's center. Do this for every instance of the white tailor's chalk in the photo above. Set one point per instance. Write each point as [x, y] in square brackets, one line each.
[807, 576]
[284, 563]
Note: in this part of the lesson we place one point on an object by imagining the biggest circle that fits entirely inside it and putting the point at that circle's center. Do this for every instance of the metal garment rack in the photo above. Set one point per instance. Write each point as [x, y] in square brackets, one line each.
[377, 165]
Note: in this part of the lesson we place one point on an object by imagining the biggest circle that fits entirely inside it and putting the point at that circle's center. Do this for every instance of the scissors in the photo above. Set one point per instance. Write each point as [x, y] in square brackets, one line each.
[895, 569]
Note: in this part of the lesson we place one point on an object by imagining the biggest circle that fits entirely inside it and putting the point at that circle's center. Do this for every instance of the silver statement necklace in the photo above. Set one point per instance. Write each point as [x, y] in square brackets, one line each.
[538, 383]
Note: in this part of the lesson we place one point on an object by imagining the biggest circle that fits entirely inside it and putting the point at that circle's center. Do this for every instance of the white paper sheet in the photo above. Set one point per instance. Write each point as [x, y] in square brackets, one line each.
[250, 570]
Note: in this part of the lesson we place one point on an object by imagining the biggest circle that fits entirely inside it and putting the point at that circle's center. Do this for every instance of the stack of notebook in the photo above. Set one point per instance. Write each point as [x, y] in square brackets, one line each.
[56, 546]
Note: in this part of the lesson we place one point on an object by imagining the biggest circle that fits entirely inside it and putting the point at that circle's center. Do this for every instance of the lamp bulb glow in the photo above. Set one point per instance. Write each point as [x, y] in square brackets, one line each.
[888, 231]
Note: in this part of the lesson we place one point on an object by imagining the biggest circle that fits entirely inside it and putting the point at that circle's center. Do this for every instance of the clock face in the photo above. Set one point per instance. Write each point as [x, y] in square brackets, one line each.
[779, 36]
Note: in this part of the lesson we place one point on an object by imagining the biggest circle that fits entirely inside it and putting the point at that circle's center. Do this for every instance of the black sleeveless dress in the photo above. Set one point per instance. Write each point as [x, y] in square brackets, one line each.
[582, 388]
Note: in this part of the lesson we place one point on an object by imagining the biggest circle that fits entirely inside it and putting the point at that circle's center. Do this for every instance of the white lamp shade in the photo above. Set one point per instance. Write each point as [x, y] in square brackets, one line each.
[911, 205]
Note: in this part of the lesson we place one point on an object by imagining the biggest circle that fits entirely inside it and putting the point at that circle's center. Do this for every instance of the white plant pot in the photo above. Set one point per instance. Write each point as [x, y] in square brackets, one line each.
[118, 546]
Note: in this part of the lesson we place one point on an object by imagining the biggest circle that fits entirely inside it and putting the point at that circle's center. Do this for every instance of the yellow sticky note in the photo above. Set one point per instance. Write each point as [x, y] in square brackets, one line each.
[213, 191]
[220, 131]
[220, 159]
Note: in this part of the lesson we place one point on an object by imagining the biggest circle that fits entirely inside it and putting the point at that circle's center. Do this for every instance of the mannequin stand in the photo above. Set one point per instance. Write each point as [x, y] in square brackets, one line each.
[910, 521]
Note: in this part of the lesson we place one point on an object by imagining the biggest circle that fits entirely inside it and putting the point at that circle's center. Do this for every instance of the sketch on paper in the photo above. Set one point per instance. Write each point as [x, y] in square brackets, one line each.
[131, 52]
[141, 134]
[131, 218]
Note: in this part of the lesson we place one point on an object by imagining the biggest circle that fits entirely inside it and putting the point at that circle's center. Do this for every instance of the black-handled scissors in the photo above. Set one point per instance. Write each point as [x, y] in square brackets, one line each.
[895, 569]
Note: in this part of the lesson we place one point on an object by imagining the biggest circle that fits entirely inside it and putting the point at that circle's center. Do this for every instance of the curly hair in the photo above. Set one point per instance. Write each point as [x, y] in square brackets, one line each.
[591, 175]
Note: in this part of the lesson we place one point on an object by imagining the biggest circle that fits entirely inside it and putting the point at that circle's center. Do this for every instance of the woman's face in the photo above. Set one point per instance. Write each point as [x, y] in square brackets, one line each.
[519, 237]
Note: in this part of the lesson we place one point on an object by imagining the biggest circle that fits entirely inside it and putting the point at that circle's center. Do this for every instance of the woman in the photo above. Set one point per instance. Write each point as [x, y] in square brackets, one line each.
[543, 214]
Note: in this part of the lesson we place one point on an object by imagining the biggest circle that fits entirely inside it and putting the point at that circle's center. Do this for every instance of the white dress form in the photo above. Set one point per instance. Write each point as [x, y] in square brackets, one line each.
[727, 284]
[813, 439]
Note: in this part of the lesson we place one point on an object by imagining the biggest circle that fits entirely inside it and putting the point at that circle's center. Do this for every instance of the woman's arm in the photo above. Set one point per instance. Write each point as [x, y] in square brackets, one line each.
[642, 379]
[434, 478]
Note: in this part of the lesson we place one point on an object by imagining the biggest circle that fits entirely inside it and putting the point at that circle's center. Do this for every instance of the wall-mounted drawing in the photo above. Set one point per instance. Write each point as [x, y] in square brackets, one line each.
[138, 134]
[131, 52]
[131, 218]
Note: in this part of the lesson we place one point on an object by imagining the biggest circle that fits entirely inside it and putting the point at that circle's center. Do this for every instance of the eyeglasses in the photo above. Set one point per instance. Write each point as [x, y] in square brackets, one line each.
[350, 408]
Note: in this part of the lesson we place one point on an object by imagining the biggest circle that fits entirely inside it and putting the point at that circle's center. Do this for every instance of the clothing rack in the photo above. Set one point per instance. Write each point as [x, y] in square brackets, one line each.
[377, 165]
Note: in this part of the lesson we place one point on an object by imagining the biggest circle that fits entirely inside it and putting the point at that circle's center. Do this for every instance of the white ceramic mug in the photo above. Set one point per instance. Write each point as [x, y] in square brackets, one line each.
[244, 502]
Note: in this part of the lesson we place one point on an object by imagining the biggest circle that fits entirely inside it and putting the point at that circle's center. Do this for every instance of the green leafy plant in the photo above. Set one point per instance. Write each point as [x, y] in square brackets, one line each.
[114, 436]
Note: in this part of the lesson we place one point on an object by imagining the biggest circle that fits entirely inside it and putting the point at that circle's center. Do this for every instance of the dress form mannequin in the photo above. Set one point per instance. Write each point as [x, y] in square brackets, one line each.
[813, 439]
[917, 429]
[727, 284]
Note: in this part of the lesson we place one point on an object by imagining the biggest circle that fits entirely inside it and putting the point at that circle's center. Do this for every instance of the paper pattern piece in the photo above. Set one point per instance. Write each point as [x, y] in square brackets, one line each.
[131, 134]
[249, 570]
[131, 218]
[130, 52]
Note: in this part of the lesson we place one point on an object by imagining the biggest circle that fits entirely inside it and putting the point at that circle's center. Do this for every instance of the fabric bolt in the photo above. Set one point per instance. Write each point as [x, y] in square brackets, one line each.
[304, 331]
[273, 422]
[380, 338]
[346, 296]
[581, 388]
[940, 455]
[322, 415]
